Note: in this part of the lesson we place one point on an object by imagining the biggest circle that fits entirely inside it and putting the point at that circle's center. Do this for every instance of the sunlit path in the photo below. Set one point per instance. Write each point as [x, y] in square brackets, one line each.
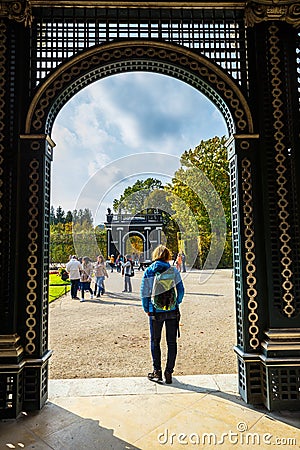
[109, 336]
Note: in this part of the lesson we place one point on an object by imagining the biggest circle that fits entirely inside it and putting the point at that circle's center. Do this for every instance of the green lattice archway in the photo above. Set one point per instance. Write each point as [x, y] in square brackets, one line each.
[243, 56]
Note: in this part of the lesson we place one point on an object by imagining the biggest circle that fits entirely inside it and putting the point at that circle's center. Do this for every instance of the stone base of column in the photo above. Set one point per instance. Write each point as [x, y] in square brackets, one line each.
[23, 384]
[272, 378]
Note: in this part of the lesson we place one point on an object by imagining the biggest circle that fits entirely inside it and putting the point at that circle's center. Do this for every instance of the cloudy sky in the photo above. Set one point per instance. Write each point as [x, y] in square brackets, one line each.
[122, 128]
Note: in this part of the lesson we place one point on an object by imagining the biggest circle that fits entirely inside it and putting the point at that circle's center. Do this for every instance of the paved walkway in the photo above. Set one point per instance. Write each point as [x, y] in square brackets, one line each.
[198, 411]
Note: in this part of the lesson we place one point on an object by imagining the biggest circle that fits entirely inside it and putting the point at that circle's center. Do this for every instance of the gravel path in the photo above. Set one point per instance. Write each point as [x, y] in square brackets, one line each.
[110, 337]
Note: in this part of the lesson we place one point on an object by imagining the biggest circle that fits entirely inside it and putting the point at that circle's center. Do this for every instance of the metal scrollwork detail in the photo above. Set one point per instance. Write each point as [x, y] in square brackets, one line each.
[249, 251]
[32, 258]
[20, 11]
[263, 10]
[281, 179]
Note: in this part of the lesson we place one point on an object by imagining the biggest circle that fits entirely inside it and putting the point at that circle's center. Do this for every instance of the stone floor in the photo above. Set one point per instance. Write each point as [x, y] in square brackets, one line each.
[197, 411]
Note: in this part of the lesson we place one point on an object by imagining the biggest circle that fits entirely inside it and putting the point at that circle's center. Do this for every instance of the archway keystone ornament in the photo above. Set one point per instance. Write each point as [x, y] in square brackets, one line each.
[244, 56]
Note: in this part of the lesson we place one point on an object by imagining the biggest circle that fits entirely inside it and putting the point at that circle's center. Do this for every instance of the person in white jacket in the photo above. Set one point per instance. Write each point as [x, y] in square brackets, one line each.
[74, 268]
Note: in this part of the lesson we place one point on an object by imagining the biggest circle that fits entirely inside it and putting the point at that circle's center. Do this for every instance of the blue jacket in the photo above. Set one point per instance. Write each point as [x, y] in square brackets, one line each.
[147, 284]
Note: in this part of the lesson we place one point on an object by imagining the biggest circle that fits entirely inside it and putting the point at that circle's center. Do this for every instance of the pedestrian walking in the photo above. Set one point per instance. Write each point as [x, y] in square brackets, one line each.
[178, 262]
[112, 262]
[74, 267]
[183, 259]
[86, 277]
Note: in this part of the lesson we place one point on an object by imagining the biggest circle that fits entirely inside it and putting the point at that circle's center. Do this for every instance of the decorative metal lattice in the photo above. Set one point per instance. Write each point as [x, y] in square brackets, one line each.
[285, 251]
[298, 65]
[61, 34]
[46, 252]
[236, 250]
[285, 384]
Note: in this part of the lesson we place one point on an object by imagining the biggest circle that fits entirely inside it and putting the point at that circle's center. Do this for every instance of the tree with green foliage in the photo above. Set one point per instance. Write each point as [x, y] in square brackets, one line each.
[60, 215]
[101, 239]
[69, 217]
[146, 195]
[52, 216]
[158, 199]
[61, 242]
[83, 216]
[196, 188]
[133, 198]
[70, 230]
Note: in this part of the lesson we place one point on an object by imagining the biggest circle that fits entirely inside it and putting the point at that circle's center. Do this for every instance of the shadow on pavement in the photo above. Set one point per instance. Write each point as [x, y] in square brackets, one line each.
[57, 428]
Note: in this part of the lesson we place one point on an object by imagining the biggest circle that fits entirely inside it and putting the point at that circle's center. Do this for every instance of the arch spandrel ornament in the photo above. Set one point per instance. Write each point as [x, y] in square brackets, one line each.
[20, 11]
[153, 56]
[263, 10]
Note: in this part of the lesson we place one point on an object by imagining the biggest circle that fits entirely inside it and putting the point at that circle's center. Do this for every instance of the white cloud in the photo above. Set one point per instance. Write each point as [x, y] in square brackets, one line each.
[121, 115]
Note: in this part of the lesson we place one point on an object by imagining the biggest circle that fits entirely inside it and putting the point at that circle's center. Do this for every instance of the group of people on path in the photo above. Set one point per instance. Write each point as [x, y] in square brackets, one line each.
[80, 275]
[82, 270]
[160, 304]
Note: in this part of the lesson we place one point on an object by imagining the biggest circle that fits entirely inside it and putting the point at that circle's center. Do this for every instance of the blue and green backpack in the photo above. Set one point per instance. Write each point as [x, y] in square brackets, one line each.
[163, 291]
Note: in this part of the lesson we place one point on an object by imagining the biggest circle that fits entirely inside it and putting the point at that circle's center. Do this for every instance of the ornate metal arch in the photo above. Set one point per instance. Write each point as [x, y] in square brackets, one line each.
[132, 55]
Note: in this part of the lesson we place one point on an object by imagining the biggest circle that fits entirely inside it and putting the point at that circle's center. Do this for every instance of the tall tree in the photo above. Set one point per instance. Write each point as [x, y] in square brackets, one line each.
[200, 194]
[203, 174]
[69, 217]
[52, 216]
[60, 215]
[133, 198]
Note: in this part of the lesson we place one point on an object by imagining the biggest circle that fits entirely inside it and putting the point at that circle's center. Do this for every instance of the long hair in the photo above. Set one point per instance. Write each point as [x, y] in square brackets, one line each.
[86, 261]
[161, 253]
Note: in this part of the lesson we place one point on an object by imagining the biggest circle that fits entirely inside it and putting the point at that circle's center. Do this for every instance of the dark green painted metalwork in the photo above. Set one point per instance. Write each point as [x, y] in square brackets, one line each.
[251, 76]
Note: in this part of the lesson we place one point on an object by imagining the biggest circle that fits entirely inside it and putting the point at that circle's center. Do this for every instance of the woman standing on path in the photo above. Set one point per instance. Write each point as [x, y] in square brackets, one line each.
[161, 305]
[100, 273]
[86, 277]
[127, 272]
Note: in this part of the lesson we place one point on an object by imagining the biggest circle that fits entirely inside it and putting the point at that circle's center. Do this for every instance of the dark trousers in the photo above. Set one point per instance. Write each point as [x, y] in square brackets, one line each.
[74, 288]
[156, 324]
[127, 283]
[85, 286]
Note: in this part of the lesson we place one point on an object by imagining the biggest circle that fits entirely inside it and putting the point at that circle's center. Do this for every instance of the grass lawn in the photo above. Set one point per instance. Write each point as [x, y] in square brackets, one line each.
[56, 291]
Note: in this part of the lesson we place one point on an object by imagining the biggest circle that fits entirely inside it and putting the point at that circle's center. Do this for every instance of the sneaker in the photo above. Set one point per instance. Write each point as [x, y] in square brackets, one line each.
[82, 299]
[98, 296]
[168, 377]
[92, 296]
[156, 375]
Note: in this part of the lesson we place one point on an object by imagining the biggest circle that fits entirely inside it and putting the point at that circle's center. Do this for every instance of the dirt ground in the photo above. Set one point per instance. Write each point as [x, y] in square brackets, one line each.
[109, 337]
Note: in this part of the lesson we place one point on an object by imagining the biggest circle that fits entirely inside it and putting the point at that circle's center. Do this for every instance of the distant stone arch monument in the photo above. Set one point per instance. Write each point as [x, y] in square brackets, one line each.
[244, 56]
[119, 227]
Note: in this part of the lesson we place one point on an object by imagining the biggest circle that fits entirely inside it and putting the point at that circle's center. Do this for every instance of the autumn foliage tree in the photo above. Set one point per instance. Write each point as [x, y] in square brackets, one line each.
[74, 232]
[200, 191]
